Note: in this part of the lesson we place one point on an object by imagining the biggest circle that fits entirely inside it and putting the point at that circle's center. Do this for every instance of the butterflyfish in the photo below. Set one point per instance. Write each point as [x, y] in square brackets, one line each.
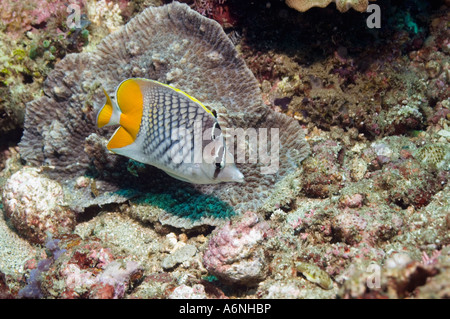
[165, 127]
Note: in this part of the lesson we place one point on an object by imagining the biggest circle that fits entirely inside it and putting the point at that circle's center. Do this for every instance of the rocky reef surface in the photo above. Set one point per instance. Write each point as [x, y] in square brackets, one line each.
[363, 212]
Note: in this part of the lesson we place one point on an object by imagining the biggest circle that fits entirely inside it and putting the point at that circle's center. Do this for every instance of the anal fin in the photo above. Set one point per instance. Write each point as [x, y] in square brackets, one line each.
[121, 138]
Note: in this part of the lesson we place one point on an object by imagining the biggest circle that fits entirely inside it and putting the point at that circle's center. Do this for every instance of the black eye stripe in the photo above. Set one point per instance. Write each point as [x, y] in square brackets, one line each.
[216, 171]
[215, 128]
[219, 160]
[219, 156]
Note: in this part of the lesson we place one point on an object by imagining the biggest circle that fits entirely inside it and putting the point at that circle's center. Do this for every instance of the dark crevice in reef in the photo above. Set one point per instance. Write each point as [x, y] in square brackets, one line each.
[11, 138]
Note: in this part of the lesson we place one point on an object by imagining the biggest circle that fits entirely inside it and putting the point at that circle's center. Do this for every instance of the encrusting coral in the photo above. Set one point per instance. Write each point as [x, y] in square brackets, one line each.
[171, 44]
[233, 254]
[35, 205]
[20, 16]
[341, 5]
[74, 268]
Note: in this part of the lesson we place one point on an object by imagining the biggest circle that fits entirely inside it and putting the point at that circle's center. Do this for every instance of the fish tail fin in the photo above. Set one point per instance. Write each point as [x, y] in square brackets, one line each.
[108, 114]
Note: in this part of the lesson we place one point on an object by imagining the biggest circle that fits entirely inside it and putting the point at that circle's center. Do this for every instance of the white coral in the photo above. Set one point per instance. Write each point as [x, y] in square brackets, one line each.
[102, 13]
[35, 204]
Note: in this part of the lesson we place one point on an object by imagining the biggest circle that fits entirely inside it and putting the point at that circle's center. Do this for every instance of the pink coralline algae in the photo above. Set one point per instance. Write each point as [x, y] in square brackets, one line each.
[371, 225]
[351, 201]
[322, 172]
[235, 254]
[35, 205]
[20, 16]
[408, 183]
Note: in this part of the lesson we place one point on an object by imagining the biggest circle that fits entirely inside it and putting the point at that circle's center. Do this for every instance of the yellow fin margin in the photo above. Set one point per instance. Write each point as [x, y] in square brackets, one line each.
[188, 96]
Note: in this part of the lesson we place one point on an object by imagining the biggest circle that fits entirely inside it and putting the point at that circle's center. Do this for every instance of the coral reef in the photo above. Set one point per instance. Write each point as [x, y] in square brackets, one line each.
[344, 81]
[429, 226]
[233, 254]
[4, 289]
[402, 278]
[35, 205]
[80, 269]
[218, 10]
[21, 16]
[322, 175]
[366, 215]
[395, 178]
[14, 253]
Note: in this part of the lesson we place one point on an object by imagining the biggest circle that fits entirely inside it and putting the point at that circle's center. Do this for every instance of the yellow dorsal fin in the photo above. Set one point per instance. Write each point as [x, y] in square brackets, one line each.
[121, 138]
[131, 103]
[105, 113]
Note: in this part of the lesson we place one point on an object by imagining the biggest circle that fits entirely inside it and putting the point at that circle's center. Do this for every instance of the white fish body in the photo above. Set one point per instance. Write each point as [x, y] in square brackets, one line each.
[164, 127]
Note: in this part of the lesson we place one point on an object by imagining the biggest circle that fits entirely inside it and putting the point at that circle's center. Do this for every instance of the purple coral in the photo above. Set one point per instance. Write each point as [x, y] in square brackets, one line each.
[33, 288]
[235, 254]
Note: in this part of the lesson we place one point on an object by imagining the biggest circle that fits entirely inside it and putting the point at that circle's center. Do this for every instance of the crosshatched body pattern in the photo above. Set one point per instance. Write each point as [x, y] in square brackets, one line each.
[164, 113]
